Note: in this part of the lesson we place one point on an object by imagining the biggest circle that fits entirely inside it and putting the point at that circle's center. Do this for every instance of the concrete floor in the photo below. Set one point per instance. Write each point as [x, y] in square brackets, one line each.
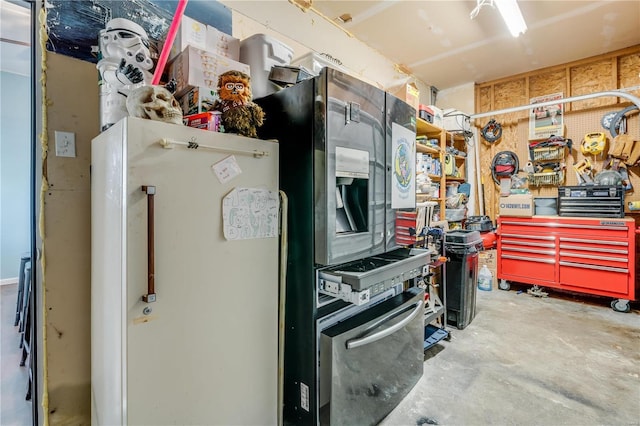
[14, 409]
[561, 360]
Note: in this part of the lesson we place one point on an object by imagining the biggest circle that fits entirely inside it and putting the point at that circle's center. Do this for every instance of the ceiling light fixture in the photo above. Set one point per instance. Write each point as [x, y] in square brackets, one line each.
[510, 12]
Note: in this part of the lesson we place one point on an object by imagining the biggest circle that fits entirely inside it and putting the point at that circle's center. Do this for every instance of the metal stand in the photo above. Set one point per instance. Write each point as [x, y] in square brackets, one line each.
[435, 309]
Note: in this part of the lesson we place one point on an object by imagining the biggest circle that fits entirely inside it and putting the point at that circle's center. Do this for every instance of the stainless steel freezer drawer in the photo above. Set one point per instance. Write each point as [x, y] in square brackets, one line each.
[370, 362]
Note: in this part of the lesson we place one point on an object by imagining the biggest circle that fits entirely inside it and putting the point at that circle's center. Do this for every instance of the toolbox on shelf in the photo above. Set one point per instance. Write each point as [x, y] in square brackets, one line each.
[591, 201]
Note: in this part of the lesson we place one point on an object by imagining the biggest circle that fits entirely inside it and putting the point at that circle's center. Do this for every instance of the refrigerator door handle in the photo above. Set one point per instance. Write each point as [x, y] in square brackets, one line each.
[151, 292]
[361, 341]
[168, 144]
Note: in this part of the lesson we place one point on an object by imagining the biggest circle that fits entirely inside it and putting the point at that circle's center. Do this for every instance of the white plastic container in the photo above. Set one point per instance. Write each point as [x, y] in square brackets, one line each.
[485, 278]
[314, 62]
[261, 52]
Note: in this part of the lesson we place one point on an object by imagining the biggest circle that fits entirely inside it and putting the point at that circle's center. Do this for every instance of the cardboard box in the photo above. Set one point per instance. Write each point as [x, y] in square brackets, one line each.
[409, 93]
[195, 67]
[190, 33]
[516, 205]
[206, 120]
[197, 100]
[222, 43]
[489, 258]
[204, 37]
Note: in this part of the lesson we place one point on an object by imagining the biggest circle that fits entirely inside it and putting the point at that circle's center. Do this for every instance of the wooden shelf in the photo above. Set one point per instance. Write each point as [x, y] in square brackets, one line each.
[457, 137]
[423, 127]
[427, 149]
[428, 130]
[425, 197]
[432, 177]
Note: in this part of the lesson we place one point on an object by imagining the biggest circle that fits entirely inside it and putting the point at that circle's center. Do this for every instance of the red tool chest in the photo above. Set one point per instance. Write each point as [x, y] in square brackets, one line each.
[588, 255]
[405, 221]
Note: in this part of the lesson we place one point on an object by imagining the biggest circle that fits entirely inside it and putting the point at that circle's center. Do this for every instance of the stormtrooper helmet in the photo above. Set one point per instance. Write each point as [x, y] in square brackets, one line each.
[154, 103]
[124, 39]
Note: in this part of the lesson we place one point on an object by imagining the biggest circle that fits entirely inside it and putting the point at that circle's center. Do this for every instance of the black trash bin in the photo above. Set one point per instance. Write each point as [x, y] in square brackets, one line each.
[461, 247]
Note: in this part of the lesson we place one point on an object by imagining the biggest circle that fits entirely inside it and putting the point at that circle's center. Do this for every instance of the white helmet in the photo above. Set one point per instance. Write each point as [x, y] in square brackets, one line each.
[124, 39]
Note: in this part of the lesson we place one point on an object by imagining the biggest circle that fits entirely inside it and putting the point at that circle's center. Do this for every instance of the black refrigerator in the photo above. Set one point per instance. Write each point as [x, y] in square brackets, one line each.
[346, 151]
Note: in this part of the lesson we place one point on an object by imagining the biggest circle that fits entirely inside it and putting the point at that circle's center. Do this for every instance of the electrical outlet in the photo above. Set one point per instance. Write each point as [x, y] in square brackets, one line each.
[65, 144]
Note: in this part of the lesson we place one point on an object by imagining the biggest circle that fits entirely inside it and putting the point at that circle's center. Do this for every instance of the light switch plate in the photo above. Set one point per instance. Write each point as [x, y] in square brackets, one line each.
[65, 144]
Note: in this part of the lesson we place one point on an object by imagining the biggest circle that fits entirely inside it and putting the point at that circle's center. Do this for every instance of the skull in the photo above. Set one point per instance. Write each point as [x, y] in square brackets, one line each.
[154, 103]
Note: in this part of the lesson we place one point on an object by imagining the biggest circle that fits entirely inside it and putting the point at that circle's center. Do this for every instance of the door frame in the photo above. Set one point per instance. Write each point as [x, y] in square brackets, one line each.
[34, 212]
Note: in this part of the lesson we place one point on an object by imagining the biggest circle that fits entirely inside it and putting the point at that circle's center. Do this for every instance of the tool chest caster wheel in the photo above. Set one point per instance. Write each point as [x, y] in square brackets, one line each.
[620, 305]
[504, 285]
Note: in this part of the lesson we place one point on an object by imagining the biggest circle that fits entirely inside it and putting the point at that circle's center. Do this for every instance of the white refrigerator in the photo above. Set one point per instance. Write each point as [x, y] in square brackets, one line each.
[184, 309]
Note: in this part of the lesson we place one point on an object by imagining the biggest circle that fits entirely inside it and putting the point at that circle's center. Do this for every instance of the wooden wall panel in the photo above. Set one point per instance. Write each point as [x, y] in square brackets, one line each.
[548, 82]
[629, 72]
[508, 142]
[508, 94]
[590, 78]
[603, 73]
[484, 101]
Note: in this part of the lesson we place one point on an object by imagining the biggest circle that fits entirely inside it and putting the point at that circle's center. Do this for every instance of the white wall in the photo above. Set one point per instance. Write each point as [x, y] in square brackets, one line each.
[459, 97]
[15, 137]
[15, 154]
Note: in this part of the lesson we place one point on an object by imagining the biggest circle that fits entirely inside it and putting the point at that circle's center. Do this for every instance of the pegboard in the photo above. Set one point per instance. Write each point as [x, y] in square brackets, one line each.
[576, 125]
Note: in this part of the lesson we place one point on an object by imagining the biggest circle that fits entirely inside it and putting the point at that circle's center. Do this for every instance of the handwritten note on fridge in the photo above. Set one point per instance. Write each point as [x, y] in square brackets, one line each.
[250, 213]
[226, 169]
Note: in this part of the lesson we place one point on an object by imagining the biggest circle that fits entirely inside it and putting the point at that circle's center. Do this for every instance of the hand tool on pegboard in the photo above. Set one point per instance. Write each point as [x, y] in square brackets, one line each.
[584, 172]
[593, 143]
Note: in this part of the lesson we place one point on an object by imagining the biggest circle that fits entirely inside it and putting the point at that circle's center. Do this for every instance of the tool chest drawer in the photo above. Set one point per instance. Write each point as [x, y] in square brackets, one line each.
[589, 255]
[529, 256]
[594, 264]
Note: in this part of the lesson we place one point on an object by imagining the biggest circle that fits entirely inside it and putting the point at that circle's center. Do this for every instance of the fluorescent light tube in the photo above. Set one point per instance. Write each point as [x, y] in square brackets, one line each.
[512, 16]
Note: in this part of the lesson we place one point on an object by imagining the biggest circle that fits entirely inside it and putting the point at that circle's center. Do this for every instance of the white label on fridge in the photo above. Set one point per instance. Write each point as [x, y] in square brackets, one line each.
[250, 213]
[227, 169]
[304, 396]
[403, 179]
[352, 163]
